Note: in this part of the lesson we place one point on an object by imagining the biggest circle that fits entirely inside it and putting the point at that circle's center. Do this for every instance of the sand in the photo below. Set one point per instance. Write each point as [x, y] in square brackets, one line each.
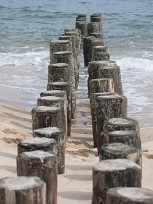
[75, 186]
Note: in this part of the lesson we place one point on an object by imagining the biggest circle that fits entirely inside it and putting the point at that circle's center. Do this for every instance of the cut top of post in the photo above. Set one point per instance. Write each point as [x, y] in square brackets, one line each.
[20, 183]
[46, 108]
[49, 131]
[122, 121]
[51, 98]
[41, 155]
[37, 141]
[110, 165]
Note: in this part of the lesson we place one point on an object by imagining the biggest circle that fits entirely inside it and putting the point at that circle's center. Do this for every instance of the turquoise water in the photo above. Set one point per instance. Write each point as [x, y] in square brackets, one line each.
[28, 26]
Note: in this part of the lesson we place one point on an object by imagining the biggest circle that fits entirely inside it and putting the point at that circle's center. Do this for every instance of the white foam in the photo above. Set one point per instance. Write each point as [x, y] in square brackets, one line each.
[40, 58]
[135, 63]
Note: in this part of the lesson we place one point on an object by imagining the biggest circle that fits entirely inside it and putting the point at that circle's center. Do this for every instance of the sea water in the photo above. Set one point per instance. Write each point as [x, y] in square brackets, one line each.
[28, 26]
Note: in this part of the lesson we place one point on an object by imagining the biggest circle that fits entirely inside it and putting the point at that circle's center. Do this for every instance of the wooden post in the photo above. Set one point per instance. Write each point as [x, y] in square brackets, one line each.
[113, 73]
[119, 151]
[96, 35]
[100, 85]
[114, 173]
[88, 43]
[25, 190]
[37, 143]
[43, 116]
[93, 70]
[63, 86]
[58, 135]
[109, 106]
[129, 196]
[59, 45]
[55, 102]
[97, 18]
[58, 72]
[93, 27]
[100, 53]
[93, 99]
[41, 164]
[81, 24]
[66, 57]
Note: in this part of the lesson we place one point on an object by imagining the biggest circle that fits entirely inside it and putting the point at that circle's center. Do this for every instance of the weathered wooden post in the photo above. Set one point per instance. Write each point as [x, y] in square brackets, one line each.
[58, 135]
[41, 164]
[67, 57]
[81, 24]
[25, 190]
[53, 101]
[59, 45]
[93, 99]
[129, 196]
[97, 18]
[100, 53]
[113, 73]
[88, 43]
[109, 106]
[37, 143]
[119, 151]
[114, 173]
[100, 85]
[44, 116]
[65, 87]
[93, 27]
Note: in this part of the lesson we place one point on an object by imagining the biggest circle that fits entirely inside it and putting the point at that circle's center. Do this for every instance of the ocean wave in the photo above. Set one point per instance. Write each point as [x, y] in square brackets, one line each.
[40, 58]
[135, 63]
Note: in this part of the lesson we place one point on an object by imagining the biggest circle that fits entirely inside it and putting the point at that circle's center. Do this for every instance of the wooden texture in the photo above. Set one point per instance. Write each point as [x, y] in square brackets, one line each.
[129, 196]
[114, 173]
[43, 165]
[22, 190]
[58, 135]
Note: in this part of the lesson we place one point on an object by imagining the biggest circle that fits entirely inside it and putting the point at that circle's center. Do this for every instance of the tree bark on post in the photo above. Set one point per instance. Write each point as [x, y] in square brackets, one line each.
[119, 151]
[53, 101]
[63, 86]
[93, 27]
[41, 164]
[97, 18]
[100, 53]
[93, 99]
[43, 116]
[96, 35]
[58, 135]
[129, 196]
[115, 74]
[109, 106]
[25, 190]
[114, 173]
[100, 85]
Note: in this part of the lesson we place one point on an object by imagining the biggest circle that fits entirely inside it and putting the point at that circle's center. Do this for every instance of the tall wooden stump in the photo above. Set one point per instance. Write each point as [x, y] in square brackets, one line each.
[100, 53]
[53, 101]
[88, 43]
[114, 73]
[43, 116]
[114, 173]
[58, 135]
[59, 45]
[129, 196]
[119, 151]
[41, 164]
[93, 99]
[63, 86]
[109, 106]
[95, 66]
[37, 143]
[93, 27]
[100, 85]
[67, 57]
[25, 190]
[97, 18]
[58, 72]
[81, 24]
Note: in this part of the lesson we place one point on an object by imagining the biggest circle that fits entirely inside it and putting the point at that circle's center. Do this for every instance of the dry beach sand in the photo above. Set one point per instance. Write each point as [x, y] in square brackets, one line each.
[75, 186]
